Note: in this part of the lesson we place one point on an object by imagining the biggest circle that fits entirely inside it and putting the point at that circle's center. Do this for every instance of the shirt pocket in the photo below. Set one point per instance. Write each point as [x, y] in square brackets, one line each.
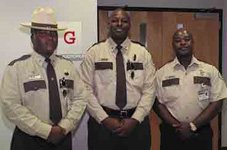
[135, 72]
[33, 91]
[103, 72]
[66, 87]
[170, 89]
[202, 80]
[203, 86]
[34, 85]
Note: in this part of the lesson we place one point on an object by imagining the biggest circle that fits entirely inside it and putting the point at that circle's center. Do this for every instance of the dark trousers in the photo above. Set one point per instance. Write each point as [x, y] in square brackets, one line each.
[100, 138]
[201, 140]
[23, 141]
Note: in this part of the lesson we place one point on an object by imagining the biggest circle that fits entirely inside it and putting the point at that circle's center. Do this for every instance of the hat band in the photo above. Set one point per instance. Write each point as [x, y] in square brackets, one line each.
[44, 25]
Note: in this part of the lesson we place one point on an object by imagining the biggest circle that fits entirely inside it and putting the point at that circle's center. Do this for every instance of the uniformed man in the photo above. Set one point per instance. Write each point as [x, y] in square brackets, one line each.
[120, 75]
[190, 94]
[42, 93]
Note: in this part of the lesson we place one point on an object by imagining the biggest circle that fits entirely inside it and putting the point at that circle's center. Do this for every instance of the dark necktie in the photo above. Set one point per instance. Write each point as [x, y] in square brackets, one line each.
[54, 99]
[121, 93]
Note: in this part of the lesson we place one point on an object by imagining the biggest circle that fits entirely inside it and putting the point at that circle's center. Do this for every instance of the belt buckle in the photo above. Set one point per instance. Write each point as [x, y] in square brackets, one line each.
[123, 113]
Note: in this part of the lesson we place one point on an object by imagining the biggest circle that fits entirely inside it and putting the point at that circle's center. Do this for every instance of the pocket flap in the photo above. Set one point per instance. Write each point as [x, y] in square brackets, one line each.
[202, 80]
[103, 65]
[169, 82]
[134, 66]
[34, 85]
[66, 83]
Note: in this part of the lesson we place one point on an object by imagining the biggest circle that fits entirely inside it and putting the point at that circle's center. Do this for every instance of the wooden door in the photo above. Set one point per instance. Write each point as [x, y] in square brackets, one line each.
[160, 27]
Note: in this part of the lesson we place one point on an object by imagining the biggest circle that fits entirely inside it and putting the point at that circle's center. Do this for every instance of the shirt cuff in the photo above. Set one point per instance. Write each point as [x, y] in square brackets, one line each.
[138, 116]
[100, 118]
[43, 130]
[65, 124]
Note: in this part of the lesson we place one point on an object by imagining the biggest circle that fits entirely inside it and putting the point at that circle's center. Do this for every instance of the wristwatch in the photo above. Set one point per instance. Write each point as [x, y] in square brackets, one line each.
[193, 127]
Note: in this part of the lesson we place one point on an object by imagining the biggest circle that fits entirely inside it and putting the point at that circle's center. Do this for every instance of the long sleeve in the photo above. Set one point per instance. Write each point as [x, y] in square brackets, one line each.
[14, 108]
[87, 74]
[77, 105]
[148, 90]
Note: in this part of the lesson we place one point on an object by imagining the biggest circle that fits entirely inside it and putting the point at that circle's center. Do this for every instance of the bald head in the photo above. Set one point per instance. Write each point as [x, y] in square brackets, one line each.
[182, 32]
[183, 43]
[123, 11]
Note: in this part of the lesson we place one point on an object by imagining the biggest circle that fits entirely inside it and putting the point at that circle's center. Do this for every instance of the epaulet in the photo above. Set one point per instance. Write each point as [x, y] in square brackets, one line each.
[204, 61]
[170, 61]
[24, 57]
[136, 42]
[95, 44]
[166, 63]
[62, 57]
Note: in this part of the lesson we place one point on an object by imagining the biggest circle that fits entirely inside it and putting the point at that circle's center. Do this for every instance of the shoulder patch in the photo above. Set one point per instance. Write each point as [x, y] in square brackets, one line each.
[204, 61]
[19, 59]
[96, 44]
[136, 42]
[165, 63]
[170, 60]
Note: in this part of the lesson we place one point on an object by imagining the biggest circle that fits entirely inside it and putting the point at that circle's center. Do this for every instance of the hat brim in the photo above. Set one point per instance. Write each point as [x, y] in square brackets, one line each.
[29, 25]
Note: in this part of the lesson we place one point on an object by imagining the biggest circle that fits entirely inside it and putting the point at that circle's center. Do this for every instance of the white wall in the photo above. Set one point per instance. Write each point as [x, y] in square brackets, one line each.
[14, 43]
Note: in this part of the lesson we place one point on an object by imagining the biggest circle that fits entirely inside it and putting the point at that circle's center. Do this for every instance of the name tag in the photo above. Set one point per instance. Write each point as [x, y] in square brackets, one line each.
[34, 77]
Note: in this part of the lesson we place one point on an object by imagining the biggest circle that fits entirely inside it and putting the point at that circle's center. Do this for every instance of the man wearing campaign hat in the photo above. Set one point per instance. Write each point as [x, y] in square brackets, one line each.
[41, 92]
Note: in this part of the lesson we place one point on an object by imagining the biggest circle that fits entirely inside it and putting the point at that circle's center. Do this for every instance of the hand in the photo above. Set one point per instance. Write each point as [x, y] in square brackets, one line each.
[184, 131]
[56, 135]
[111, 123]
[127, 126]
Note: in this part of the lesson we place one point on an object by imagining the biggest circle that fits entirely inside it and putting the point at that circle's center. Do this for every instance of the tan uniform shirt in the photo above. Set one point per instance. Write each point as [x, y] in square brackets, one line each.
[25, 97]
[186, 93]
[98, 71]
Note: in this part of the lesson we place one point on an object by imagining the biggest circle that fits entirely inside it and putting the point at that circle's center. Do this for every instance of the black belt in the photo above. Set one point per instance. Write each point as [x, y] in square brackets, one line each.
[119, 113]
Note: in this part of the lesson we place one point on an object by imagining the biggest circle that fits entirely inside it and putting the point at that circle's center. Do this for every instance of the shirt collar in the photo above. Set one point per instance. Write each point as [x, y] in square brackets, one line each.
[194, 61]
[113, 45]
[41, 59]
